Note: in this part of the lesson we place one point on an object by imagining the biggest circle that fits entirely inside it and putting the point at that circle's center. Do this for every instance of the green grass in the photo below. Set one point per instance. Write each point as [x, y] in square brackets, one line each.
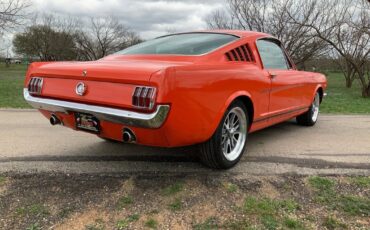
[291, 223]
[35, 210]
[230, 187]
[240, 224]
[359, 181]
[209, 224]
[11, 86]
[324, 188]
[97, 225]
[270, 212]
[321, 183]
[133, 218]
[176, 205]
[344, 100]
[151, 223]
[349, 204]
[353, 205]
[2, 180]
[339, 100]
[34, 227]
[124, 201]
[267, 206]
[332, 223]
[124, 223]
[269, 222]
[66, 211]
[173, 189]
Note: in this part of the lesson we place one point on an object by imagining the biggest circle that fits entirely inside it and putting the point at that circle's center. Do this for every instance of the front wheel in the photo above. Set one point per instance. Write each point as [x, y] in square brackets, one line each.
[227, 145]
[310, 117]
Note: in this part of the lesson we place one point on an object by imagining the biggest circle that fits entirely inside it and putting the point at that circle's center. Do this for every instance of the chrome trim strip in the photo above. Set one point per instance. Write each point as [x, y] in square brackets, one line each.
[126, 117]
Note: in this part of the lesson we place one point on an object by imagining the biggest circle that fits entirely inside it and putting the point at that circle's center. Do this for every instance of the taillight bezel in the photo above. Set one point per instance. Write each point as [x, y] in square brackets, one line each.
[35, 85]
[144, 97]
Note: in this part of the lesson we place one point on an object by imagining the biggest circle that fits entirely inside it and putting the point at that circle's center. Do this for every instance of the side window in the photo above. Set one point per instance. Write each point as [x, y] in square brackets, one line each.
[272, 55]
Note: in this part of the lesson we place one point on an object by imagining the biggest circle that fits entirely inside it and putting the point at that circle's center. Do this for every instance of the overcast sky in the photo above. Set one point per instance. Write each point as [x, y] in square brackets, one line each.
[150, 18]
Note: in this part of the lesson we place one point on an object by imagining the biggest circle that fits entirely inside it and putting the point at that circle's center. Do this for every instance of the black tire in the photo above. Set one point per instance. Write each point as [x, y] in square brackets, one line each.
[310, 117]
[212, 153]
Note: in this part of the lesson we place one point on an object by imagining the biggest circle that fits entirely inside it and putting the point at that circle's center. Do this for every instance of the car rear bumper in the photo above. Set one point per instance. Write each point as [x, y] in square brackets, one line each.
[126, 117]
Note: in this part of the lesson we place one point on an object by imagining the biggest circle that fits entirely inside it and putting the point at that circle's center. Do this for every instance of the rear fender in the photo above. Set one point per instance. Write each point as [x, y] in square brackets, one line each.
[226, 105]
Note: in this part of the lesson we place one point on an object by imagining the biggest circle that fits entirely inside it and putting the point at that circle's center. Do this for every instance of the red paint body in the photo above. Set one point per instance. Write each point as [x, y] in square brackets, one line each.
[198, 88]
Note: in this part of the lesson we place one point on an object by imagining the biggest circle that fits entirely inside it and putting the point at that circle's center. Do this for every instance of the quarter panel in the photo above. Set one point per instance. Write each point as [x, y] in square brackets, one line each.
[200, 95]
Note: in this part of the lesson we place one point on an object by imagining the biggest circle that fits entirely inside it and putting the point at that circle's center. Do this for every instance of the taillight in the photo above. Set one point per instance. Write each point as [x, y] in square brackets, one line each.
[35, 85]
[144, 97]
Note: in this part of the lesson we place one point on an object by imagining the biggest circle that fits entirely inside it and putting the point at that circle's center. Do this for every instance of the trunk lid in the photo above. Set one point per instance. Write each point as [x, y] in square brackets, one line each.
[108, 70]
[109, 82]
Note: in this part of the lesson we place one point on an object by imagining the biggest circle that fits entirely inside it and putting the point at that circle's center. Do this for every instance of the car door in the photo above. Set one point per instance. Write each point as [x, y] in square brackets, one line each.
[286, 82]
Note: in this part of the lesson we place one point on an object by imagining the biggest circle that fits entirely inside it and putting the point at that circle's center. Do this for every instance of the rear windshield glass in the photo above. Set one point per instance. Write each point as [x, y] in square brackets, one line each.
[181, 44]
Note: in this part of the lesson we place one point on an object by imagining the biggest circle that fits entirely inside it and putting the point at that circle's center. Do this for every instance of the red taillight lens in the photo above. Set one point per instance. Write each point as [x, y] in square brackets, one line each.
[35, 85]
[144, 97]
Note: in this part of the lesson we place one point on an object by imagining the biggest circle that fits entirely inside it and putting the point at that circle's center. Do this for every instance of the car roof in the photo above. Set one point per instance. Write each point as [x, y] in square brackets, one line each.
[238, 33]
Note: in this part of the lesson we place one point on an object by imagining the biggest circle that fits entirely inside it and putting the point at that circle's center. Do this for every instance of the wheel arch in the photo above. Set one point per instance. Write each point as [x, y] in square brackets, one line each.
[246, 98]
[250, 109]
[319, 89]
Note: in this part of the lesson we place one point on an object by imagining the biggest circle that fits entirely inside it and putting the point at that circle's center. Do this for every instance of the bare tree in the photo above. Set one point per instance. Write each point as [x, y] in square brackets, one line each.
[103, 36]
[272, 17]
[11, 13]
[344, 26]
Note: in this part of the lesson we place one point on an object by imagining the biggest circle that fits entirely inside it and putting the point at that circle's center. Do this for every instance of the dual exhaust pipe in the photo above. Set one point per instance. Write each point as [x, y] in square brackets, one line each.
[128, 135]
[54, 120]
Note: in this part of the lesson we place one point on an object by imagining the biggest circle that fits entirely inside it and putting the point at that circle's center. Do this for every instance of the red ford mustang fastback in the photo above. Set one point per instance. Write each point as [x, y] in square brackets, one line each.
[210, 88]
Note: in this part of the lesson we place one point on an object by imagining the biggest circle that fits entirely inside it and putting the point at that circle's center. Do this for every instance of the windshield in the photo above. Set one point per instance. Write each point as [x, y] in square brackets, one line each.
[181, 44]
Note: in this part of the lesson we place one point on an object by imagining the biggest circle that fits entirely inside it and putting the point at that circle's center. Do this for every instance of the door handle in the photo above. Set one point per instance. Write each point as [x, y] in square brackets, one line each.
[272, 75]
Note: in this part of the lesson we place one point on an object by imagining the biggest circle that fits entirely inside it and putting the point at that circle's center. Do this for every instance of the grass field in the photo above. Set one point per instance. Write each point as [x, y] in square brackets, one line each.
[344, 100]
[339, 100]
[11, 86]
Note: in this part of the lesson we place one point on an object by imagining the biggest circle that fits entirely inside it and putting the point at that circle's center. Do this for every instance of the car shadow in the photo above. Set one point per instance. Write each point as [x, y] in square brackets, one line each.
[116, 151]
[107, 151]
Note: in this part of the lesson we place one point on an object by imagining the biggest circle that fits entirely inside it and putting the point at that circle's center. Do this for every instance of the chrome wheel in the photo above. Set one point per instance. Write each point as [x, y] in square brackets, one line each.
[234, 134]
[315, 107]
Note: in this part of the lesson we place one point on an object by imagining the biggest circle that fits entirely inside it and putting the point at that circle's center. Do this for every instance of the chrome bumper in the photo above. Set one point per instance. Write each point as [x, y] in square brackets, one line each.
[126, 117]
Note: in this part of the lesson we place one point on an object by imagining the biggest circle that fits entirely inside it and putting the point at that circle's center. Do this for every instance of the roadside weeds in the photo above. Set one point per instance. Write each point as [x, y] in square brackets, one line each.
[191, 202]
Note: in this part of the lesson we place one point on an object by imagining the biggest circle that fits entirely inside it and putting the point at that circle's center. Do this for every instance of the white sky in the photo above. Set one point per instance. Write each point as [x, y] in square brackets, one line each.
[149, 18]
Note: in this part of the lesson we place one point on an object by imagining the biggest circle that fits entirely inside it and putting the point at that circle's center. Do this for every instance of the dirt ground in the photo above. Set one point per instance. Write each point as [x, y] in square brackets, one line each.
[92, 202]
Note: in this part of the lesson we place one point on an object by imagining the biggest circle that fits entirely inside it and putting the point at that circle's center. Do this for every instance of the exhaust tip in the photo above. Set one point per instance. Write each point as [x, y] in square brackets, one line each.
[128, 136]
[54, 120]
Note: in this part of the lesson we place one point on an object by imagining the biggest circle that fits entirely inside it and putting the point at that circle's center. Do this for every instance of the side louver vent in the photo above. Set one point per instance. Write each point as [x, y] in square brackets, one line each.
[241, 53]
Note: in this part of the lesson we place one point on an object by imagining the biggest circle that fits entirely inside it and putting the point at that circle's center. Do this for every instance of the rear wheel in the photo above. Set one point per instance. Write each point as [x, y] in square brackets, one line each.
[226, 146]
[310, 117]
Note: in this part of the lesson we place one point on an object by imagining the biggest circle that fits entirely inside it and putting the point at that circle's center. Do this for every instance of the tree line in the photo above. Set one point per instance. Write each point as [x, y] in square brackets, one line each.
[52, 38]
[310, 30]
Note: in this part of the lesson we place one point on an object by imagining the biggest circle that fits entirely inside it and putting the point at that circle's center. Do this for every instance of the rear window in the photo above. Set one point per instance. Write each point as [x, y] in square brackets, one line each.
[181, 44]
